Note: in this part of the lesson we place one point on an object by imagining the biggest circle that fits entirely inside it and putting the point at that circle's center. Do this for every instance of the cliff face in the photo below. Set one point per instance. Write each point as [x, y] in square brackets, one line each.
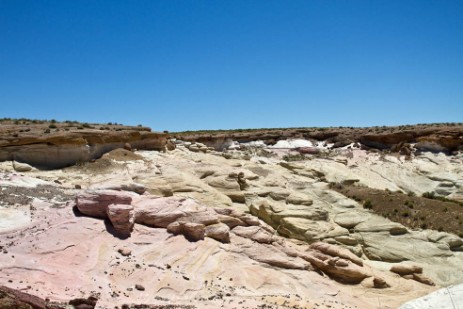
[434, 138]
[41, 147]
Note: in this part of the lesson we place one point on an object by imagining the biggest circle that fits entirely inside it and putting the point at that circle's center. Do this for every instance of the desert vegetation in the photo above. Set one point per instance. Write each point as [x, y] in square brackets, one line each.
[417, 212]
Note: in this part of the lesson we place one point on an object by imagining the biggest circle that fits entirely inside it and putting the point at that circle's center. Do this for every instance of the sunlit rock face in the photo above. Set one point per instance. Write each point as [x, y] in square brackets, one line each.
[65, 145]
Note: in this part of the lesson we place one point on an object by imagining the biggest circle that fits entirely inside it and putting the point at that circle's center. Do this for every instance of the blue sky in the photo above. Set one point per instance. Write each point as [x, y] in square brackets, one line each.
[179, 65]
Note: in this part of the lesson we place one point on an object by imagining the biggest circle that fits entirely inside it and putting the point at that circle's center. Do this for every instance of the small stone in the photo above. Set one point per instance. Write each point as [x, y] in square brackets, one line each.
[128, 147]
[380, 283]
[124, 251]
[139, 287]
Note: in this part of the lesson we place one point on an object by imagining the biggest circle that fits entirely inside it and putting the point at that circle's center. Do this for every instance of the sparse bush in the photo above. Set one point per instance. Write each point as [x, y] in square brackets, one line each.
[46, 131]
[52, 126]
[368, 204]
[430, 195]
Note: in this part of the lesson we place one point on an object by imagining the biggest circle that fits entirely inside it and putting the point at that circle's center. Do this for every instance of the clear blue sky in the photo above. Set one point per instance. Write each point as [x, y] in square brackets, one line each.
[179, 65]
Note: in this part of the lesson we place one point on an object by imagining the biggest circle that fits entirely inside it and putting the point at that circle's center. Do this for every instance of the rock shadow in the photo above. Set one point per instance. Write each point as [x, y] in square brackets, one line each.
[110, 229]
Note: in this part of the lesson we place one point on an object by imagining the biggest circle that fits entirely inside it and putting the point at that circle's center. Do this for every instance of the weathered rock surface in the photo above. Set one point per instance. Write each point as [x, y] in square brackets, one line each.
[95, 203]
[233, 224]
[450, 297]
[122, 218]
[59, 148]
[428, 138]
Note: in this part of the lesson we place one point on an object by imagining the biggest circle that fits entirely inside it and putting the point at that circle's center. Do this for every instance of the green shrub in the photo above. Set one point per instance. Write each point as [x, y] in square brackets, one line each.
[430, 195]
[368, 204]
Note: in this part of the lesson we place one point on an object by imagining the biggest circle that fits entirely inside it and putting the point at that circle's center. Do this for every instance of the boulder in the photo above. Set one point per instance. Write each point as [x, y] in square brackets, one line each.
[94, 203]
[122, 218]
[406, 269]
[11, 298]
[21, 167]
[219, 232]
[422, 279]
[299, 199]
[191, 231]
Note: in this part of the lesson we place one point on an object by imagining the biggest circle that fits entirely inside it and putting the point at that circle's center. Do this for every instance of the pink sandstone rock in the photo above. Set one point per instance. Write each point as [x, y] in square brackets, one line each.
[122, 218]
[95, 203]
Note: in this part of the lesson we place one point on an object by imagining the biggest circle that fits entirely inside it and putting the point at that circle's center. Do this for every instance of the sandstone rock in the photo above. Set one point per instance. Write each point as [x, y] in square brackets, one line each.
[160, 212]
[422, 279]
[128, 147]
[95, 203]
[61, 149]
[122, 218]
[119, 185]
[382, 247]
[236, 196]
[124, 251]
[298, 199]
[336, 252]
[22, 167]
[312, 213]
[191, 231]
[406, 269]
[84, 303]
[346, 240]
[218, 231]
[11, 298]
[444, 298]
[380, 283]
[348, 220]
[279, 194]
[398, 230]
[255, 233]
[341, 270]
[156, 185]
[222, 183]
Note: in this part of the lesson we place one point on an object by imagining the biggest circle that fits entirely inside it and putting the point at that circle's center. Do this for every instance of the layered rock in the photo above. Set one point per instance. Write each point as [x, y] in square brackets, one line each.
[59, 149]
[436, 138]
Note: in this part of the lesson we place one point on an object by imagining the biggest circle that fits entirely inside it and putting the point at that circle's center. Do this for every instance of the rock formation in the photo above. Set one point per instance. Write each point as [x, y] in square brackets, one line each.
[68, 144]
[195, 227]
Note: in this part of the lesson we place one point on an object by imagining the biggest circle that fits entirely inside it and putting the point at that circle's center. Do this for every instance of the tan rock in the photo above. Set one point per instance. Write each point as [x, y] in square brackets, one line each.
[22, 167]
[218, 231]
[406, 269]
[255, 233]
[337, 252]
[191, 231]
